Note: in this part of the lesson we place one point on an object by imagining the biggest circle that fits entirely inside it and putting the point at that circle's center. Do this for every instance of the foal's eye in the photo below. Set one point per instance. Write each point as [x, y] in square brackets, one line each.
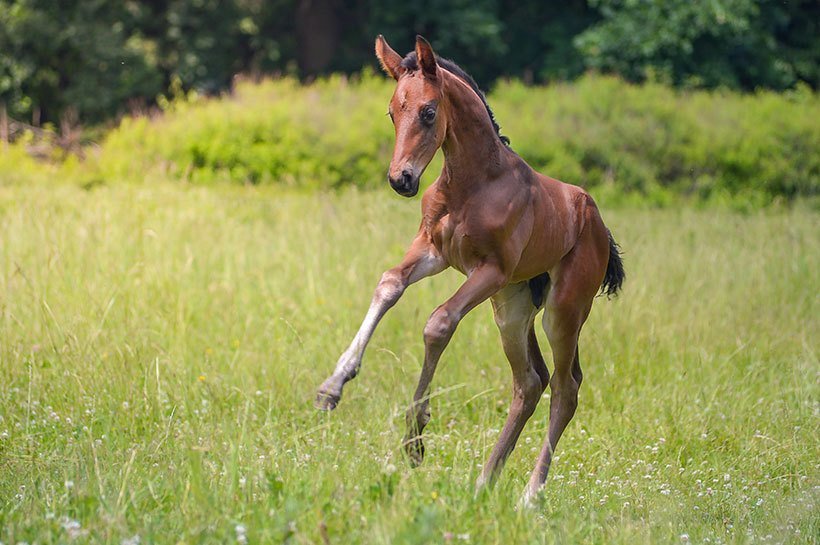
[428, 115]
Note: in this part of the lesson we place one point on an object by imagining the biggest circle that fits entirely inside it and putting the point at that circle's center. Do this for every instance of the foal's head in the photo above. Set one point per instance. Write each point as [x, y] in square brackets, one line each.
[417, 111]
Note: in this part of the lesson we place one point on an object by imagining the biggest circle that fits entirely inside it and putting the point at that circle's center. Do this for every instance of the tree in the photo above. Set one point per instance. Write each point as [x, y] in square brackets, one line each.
[95, 57]
[71, 54]
[732, 43]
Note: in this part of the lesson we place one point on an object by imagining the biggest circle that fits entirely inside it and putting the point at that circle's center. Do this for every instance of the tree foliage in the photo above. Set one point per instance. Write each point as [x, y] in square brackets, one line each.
[99, 57]
[734, 43]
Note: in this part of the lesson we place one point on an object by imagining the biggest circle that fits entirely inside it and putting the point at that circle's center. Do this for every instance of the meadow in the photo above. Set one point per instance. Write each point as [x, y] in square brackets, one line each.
[161, 342]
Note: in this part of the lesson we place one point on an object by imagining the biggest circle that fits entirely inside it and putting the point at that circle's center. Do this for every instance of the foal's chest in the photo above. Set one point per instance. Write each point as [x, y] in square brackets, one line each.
[483, 226]
[453, 239]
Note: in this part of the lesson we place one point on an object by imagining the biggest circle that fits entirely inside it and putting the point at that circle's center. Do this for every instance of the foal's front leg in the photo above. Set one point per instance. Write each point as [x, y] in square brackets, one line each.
[421, 260]
[480, 285]
[514, 313]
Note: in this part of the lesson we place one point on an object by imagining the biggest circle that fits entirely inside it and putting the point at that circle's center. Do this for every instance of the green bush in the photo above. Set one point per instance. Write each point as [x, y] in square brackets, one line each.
[328, 134]
[701, 143]
[645, 142]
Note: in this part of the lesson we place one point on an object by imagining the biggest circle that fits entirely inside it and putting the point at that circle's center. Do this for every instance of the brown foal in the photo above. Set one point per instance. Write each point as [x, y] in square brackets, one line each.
[525, 241]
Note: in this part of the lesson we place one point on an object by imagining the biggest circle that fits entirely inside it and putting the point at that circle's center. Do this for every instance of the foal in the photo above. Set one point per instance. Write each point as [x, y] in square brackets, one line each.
[523, 240]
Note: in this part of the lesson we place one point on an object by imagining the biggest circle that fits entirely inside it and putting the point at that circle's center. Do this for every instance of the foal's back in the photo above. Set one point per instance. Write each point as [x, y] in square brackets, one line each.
[557, 215]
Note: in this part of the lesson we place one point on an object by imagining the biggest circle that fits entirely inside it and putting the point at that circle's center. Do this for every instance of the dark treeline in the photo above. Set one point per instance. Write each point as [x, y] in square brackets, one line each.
[92, 59]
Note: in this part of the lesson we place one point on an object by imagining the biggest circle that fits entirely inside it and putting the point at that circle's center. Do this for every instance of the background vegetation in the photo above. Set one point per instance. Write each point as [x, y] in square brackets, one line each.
[629, 142]
[90, 59]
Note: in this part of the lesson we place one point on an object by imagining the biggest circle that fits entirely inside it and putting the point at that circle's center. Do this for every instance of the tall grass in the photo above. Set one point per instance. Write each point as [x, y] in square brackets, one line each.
[160, 346]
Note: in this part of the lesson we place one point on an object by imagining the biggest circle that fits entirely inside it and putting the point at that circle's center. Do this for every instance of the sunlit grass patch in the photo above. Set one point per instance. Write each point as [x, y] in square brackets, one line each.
[161, 345]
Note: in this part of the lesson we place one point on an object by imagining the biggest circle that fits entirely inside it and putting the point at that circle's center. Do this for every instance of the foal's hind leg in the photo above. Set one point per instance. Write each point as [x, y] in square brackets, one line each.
[514, 314]
[575, 283]
[563, 325]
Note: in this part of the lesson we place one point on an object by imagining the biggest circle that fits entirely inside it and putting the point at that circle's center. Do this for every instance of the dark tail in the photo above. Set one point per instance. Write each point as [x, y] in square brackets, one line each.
[614, 269]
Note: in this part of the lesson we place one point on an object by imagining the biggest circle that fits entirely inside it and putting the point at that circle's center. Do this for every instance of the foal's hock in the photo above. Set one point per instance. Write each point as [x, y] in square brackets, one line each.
[525, 241]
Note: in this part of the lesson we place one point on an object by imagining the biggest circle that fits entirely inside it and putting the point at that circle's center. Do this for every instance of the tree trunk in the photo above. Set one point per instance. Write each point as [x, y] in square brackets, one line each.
[317, 35]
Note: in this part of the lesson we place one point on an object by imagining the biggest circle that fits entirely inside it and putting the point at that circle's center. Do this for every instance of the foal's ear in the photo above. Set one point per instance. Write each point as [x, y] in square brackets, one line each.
[389, 59]
[426, 57]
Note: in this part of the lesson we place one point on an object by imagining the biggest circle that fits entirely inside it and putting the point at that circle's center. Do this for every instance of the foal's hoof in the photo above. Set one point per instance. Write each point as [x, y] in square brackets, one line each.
[530, 500]
[326, 401]
[415, 451]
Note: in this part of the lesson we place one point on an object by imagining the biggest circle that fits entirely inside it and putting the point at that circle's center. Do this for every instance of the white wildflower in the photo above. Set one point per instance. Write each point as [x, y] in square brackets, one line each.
[241, 534]
[72, 527]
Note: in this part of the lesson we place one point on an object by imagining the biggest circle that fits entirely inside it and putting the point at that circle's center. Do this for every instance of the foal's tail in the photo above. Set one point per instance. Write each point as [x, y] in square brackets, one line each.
[614, 269]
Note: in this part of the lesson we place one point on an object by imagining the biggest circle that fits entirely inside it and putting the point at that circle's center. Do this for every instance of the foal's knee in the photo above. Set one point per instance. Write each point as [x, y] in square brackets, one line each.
[566, 389]
[440, 327]
[577, 374]
[572, 398]
[390, 288]
[530, 391]
[564, 400]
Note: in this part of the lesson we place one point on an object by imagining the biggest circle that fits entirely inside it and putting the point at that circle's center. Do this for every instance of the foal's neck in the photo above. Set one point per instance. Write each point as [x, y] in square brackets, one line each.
[472, 149]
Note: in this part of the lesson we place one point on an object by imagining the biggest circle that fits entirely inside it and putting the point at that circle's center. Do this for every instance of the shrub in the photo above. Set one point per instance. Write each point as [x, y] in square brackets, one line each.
[328, 134]
[635, 141]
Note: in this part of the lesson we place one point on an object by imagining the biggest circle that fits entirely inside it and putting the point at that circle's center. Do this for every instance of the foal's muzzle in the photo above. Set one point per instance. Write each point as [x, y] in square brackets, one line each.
[406, 185]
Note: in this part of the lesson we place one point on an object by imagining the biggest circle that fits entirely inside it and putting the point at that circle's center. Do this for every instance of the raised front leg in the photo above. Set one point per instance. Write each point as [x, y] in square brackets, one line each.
[482, 283]
[421, 260]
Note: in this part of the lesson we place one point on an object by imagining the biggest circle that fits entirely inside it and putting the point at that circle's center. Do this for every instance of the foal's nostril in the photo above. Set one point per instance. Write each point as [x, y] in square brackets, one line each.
[405, 184]
[406, 177]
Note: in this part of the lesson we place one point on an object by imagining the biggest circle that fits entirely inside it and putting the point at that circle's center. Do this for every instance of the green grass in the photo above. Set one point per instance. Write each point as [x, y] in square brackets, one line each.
[161, 345]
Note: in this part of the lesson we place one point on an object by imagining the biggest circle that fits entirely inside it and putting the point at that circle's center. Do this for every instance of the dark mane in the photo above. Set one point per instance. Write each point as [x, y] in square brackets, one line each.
[411, 63]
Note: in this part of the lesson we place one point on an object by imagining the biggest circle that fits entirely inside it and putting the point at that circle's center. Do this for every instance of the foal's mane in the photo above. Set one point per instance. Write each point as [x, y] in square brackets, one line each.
[410, 62]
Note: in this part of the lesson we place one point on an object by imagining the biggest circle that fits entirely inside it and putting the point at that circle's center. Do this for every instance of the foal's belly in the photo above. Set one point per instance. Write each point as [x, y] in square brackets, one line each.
[521, 255]
[537, 259]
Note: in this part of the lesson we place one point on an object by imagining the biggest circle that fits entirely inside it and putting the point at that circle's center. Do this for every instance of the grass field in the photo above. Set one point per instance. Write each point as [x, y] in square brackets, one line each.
[161, 345]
